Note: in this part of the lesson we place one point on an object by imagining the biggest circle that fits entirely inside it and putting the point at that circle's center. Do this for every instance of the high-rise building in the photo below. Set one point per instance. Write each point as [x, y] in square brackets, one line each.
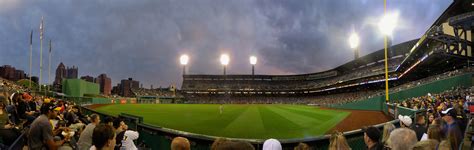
[105, 84]
[72, 73]
[126, 87]
[116, 89]
[88, 78]
[63, 72]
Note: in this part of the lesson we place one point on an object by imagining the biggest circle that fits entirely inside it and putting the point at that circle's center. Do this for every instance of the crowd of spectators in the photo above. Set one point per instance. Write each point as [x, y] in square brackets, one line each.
[159, 92]
[51, 123]
[323, 100]
[359, 73]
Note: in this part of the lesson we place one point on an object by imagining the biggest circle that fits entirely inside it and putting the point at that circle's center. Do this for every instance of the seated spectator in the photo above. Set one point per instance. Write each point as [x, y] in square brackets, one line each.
[216, 144]
[431, 118]
[402, 139]
[85, 139]
[405, 121]
[72, 118]
[24, 109]
[338, 142]
[223, 144]
[302, 146]
[434, 132]
[124, 137]
[420, 127]
[444, 145]
[272, 144]
[372, 138]
[426, 145]
[103, 137]
[387, 129]
[452, 130]
[109, 121]
[180, 143]
[8, 133]
[40, 135]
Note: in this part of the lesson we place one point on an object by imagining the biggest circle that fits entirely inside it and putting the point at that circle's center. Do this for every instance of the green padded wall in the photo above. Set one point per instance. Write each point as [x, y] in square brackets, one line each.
[376, 103]
[78, 87]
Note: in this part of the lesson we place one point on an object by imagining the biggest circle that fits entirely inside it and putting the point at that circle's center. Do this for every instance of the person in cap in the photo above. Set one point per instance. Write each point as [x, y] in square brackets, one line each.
[40, 135]
[272, 144]
[452, 130]
[372, 138]
[405, 121]
[180, 143]
[24, 109]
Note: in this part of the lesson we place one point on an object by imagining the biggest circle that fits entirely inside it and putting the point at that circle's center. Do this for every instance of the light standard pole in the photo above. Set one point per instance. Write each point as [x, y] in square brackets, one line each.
[354, 43]
[387, 25]
[184, 61]
[225, 61]
[253, 61]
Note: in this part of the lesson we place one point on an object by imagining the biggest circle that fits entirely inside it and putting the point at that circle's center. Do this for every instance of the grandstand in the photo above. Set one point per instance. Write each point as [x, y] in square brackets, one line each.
[444, 48]
[363, 70]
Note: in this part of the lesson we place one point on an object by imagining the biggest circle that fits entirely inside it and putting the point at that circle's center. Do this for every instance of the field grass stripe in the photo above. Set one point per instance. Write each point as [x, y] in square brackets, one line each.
[303, 121]
[250, 121]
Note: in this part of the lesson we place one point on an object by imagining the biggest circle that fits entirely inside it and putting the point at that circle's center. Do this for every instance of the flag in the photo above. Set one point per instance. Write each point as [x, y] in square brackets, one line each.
[50, 46]
[41, 28]
[31, 37]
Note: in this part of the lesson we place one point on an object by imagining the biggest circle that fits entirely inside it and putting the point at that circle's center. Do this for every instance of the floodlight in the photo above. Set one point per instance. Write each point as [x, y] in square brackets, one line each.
[184, 59]
[253, 60]
[387, 23]
[225, 59]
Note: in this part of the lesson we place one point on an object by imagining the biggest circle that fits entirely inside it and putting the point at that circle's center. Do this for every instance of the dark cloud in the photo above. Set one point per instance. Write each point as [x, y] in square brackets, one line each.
[143, 39]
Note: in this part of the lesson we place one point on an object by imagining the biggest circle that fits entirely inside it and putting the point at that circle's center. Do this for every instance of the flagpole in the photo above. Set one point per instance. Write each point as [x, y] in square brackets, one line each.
[49, 65]
[41, 54]
[31, 55]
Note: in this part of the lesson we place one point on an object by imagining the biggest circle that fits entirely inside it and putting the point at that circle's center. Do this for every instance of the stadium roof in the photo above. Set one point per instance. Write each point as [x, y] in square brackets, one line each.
[422, 47]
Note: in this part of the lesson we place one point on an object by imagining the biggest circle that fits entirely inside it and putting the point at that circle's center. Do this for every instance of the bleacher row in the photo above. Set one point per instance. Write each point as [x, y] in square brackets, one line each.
[281, 85]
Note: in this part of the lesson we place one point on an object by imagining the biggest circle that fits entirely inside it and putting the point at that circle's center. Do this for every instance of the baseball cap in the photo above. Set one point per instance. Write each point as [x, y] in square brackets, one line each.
[48, 107]
[26, 96]
[450, 112]
[272, 144]
[372, 132]
[406, 120]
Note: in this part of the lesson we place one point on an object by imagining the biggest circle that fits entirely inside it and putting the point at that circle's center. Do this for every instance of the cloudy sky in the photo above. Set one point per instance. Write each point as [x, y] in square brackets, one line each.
[143, 39]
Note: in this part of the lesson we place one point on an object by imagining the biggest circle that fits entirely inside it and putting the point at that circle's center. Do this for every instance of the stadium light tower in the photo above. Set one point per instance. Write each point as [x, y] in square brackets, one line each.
[184, 61]
[253, 61]
[225, 61]
[354, 43]
[387, 25]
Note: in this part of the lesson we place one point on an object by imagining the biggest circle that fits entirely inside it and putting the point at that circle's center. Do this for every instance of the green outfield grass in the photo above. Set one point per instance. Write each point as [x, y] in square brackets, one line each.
[236, 121]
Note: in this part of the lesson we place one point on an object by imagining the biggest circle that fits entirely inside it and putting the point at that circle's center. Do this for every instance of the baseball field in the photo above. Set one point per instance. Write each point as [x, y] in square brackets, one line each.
[236, 121]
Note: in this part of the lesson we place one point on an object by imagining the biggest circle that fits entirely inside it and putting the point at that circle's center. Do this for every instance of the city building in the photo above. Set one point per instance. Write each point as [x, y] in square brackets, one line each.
[88, 78]
[105, 84]
[126, 86]
[10, 73]
[63, 72]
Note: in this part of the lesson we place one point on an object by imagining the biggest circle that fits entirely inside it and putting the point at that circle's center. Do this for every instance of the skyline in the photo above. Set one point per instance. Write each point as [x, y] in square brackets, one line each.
[144, 39]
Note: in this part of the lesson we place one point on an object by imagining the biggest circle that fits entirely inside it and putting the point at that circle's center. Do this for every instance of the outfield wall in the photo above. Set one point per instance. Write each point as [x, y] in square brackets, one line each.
[78, 87]
[377, 103]
[156, 137]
